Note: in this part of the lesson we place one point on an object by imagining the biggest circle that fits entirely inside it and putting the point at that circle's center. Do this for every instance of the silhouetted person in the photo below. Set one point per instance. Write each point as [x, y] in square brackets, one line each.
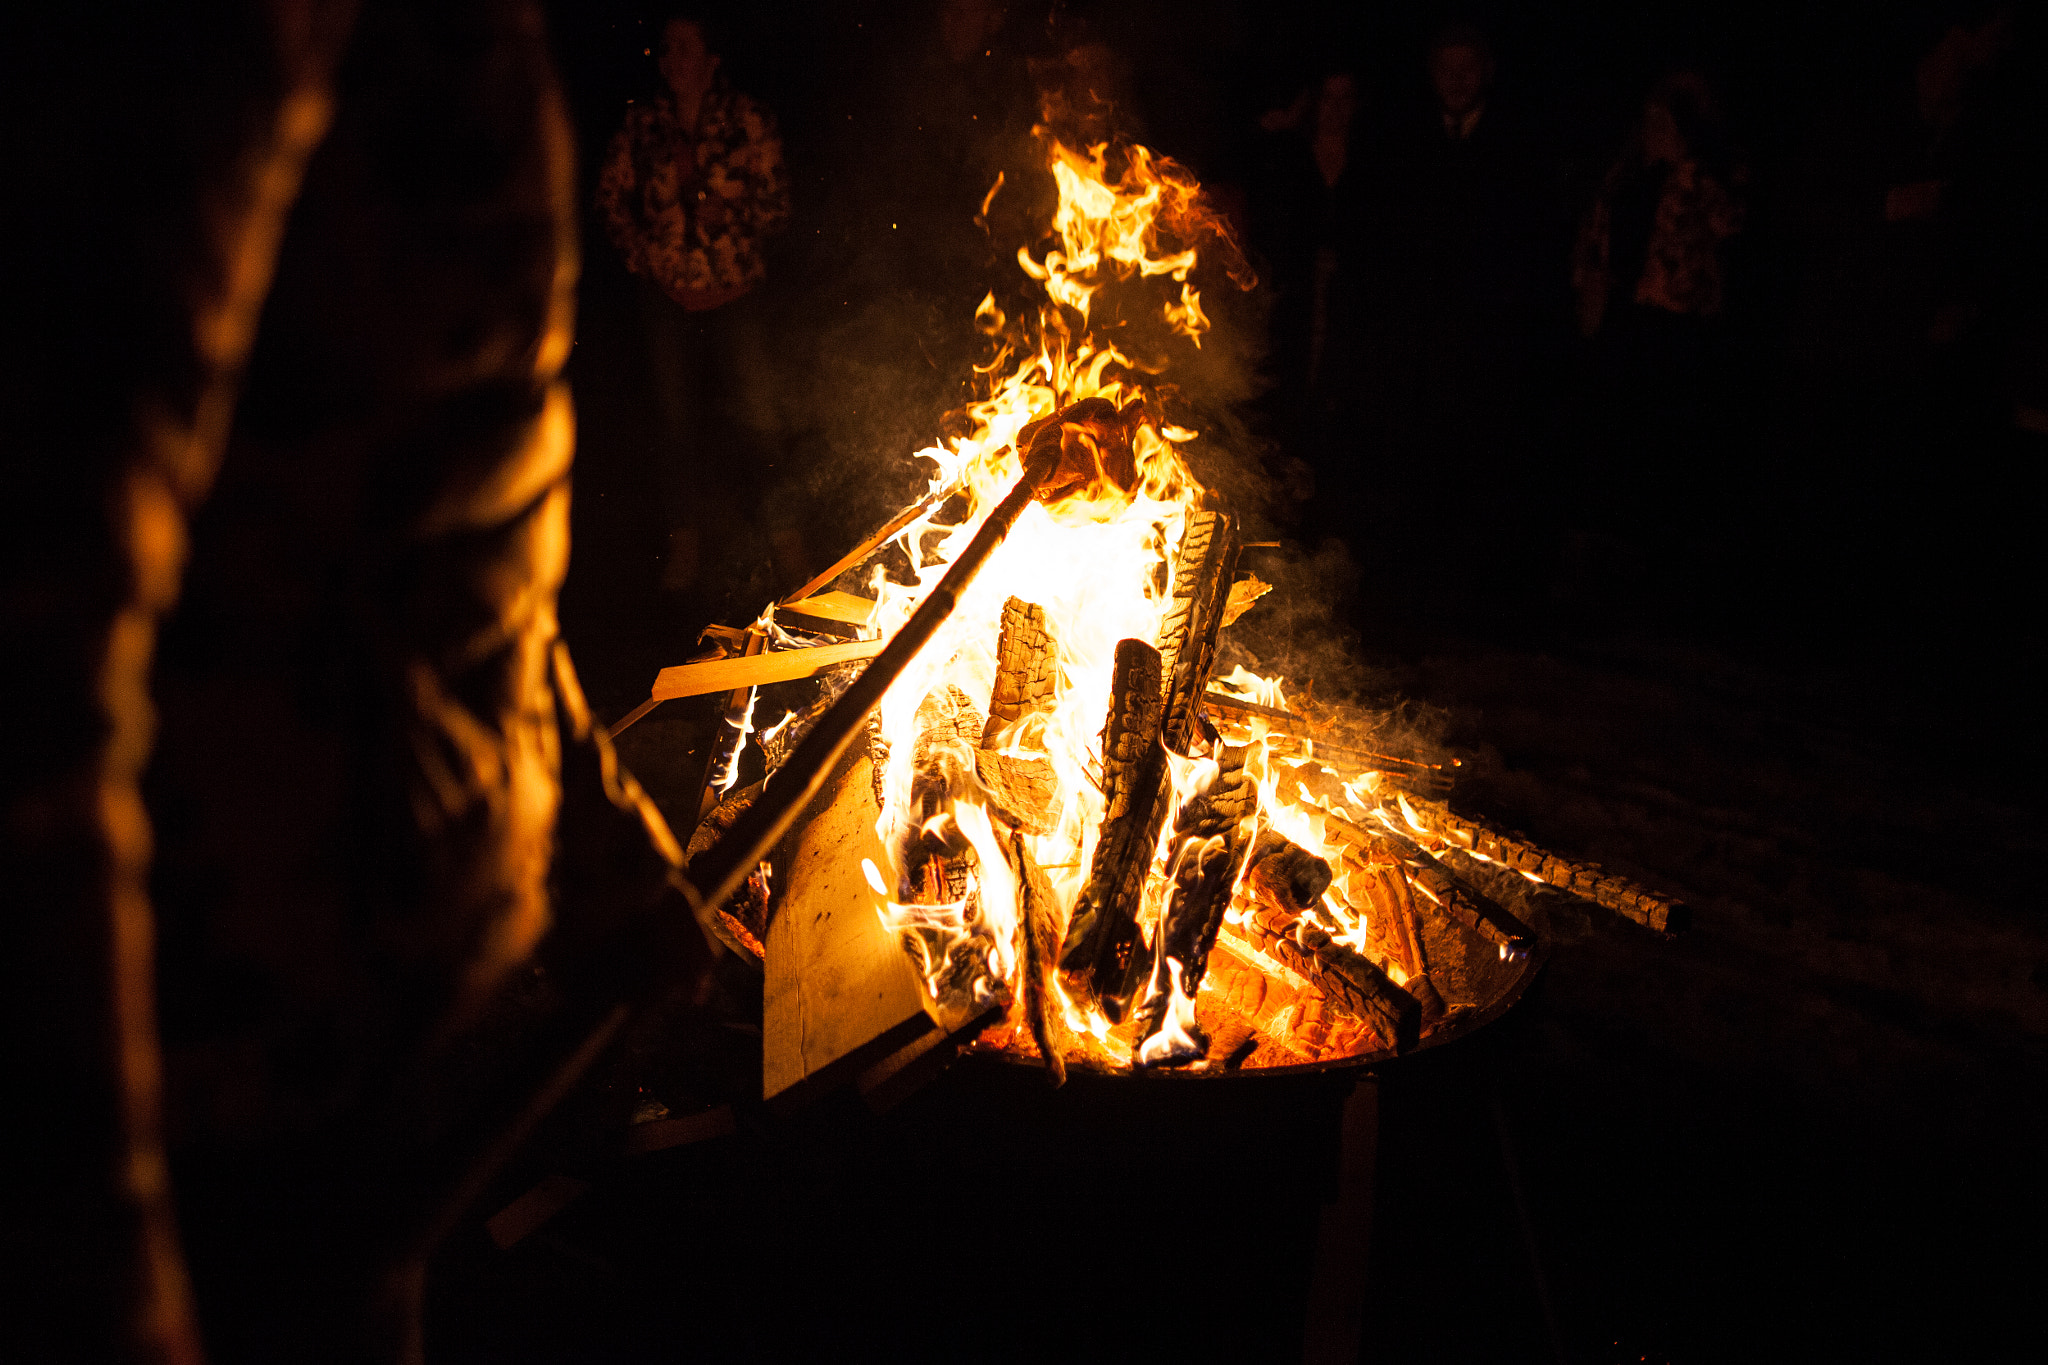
[1651, 276]
[692, 186]
[1304, 220]
[1452, 228]
[1918, 215]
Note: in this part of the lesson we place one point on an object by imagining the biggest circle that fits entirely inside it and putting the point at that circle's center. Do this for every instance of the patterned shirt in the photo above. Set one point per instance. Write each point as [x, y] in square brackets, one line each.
[689, 211]
[1682, 268]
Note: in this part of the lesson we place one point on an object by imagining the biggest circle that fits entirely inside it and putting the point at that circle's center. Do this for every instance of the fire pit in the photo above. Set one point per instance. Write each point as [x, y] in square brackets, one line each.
[1018, 811]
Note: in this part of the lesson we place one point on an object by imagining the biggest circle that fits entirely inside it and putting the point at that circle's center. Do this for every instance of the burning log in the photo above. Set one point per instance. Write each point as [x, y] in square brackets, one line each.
[1038, 922]
[1285, 875]
[1201, 871]
[1023, 792]
[1027, 670]
[934, 856]
[729, 862]
[1585, 880]
[1264, 1000]
[1438, 887]
[742, 922]
[1383, 888]
[1100, 959]
[1202, 571]
[1413, 774]
[1348, 980]
[780, 741]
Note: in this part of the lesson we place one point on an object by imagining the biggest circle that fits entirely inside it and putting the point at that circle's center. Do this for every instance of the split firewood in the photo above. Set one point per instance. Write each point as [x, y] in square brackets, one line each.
[1038, 926]
[1022, 792]
[1101, 958]
[1202, 570]
[1436, 886]
[1347, 980]
[1379, 890]
[1027, 670]
[1285, 875]
[758, 670]
[1243, 593]
[1588, 881]
[1201, 871]
[1266, 1000]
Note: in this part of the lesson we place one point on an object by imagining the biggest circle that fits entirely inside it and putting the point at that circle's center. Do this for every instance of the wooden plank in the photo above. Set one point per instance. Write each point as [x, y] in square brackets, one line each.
[845, 607]
[839, 988]
[757, 670]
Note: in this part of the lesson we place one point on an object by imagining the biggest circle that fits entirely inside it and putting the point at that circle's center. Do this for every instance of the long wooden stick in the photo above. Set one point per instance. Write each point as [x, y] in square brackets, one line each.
[718, 872]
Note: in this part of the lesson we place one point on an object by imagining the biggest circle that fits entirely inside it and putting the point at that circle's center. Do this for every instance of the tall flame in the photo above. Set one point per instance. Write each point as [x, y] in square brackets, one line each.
[1096, 553]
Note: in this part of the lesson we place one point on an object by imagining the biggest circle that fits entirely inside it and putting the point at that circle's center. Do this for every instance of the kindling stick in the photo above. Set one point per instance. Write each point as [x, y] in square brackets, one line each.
[720, 869]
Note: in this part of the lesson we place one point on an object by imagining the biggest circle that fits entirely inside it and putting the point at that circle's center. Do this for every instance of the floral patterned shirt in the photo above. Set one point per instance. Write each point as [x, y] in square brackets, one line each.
[689, 210]
[1682, 270]
[1682, 267]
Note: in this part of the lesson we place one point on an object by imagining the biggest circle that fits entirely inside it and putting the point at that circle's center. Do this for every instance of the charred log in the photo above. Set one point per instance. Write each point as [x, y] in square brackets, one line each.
[1101, 959]
[742, 922]
[1038, 926]
[1390, 908]
[1203, 867]
[1021, 792]
[1437, 887]
[1347, 980]
[1202, 571]
[1588, 881]
[1027, 669]
[1285, 875]
[779, 745]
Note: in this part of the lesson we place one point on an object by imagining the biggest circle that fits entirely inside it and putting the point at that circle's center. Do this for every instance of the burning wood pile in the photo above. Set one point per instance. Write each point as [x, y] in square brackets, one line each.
[1087, 849]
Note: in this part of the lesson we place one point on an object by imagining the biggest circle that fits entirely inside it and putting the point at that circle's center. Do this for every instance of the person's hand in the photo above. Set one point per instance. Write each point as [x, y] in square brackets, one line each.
[1915, 202]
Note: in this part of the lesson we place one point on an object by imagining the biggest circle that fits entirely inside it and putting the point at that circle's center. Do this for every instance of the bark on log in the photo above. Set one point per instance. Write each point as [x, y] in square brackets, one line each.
[1347, 980]
[1588, 881]
[1038, 924]
[1100, 958]
[1202, 570]
[1027, 669]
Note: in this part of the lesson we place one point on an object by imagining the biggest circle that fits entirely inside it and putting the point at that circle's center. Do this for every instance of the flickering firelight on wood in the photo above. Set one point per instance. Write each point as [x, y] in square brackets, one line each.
[1020, 811]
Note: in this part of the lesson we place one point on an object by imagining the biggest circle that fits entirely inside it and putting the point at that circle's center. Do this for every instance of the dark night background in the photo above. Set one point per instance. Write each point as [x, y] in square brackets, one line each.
[1745, 620]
